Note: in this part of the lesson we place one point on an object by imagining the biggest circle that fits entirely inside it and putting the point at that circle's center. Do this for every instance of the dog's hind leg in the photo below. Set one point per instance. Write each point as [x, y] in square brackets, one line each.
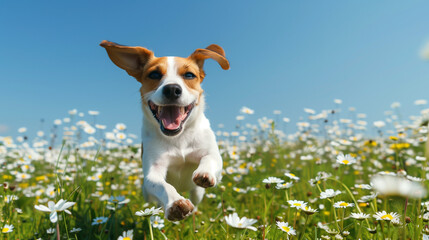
[196, 195]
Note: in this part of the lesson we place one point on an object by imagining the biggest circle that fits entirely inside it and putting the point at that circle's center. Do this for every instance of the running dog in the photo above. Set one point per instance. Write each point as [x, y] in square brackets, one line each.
[180, 149]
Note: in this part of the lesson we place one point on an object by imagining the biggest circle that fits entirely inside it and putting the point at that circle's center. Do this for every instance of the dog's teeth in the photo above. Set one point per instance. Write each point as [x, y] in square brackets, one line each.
[182, 110]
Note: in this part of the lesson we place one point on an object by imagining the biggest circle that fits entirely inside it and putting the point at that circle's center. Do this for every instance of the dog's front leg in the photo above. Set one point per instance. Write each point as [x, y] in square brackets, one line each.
[176, 207]
[209, 171]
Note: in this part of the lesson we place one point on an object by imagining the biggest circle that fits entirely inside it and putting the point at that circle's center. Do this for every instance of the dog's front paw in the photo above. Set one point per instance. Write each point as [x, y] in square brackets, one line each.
[179, 210]
[204, 180]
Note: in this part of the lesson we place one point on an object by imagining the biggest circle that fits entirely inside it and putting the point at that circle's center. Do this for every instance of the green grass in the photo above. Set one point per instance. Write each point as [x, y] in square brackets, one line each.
[68, 170]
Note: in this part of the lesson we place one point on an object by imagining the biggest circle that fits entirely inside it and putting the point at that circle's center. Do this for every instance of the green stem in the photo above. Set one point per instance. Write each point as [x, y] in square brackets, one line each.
[305, 226]
[294, 219]
[150, 228]
[58, 231]
[351, 195]
[389, 234]
[360, 230]
[404, 230]
[335, 215]
[267, 207]
[382, 228]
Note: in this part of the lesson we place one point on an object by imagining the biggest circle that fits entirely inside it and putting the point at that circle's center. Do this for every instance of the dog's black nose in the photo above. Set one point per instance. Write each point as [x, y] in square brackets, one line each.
[172, 91]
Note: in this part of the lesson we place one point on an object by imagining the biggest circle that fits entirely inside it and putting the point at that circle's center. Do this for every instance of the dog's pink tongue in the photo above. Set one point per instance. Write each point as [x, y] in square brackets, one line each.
[170, 117]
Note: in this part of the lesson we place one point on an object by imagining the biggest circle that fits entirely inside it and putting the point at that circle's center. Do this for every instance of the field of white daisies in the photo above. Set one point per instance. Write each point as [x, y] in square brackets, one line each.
[337, 176]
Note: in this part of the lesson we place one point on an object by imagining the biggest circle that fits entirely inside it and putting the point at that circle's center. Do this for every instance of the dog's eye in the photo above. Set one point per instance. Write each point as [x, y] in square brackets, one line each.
[189, 75]
[155, 75]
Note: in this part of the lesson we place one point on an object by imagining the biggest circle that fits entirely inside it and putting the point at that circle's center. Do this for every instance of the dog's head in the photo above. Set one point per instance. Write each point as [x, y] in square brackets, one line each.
[171, 86]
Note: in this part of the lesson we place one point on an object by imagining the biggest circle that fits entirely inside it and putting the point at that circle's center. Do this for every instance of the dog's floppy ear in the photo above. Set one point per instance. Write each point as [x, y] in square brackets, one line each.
[214, 52]
[131, 59]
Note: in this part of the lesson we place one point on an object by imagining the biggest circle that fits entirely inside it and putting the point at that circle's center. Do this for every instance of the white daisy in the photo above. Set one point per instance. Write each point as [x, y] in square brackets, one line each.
[284, 185]
[211, 195]
[75, 230]
[157, 222]
[284, 226]
[291, 175]
[342, 204]
[329, 193]
[273, 180]
[53, 208]
[121, 126]
[247, 110]
[297, 204]
[345, 160]
[359, 216]
[149, 212]
[385, 216]
[308, 210]
[126, 235]
[363, 186]
[7, 228]
[234, 221]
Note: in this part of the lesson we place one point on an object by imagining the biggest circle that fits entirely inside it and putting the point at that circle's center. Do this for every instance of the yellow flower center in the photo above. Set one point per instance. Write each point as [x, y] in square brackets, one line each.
[155, 222]
[240, 224]
[297, 204]
[100, 220]
[5, 230]
[343, 204]
[387, 216]
[345, 161]
[293, 175]
[126, 238]
[286, 229]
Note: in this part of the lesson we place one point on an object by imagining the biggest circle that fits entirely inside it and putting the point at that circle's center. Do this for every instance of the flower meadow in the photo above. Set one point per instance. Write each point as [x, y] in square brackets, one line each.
[337, 176]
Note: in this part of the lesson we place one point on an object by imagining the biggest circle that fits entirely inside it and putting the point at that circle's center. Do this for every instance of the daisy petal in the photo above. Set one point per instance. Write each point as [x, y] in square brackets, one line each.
[53, 217]
[67, 205]
[42, 208]
[251, 228]
[51, 205]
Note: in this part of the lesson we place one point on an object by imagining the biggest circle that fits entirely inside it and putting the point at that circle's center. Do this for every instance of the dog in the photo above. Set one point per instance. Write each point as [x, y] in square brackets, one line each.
[180, 149]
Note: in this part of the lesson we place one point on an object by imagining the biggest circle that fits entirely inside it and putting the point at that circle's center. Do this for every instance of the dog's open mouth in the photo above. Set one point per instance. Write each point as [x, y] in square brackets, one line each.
[170, 117]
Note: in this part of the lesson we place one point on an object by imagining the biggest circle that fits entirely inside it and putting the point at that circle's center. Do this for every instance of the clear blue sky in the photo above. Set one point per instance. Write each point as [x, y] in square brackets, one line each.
[284, 55]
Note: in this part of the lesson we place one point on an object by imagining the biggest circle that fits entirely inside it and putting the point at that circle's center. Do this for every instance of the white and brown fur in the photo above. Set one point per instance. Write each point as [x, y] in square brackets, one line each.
[174, 160]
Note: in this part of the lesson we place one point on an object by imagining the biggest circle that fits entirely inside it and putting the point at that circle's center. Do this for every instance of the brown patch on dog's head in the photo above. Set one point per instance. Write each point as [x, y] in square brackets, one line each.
[142, 64]
[131, 59]
[214, 52]
[154, 65]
